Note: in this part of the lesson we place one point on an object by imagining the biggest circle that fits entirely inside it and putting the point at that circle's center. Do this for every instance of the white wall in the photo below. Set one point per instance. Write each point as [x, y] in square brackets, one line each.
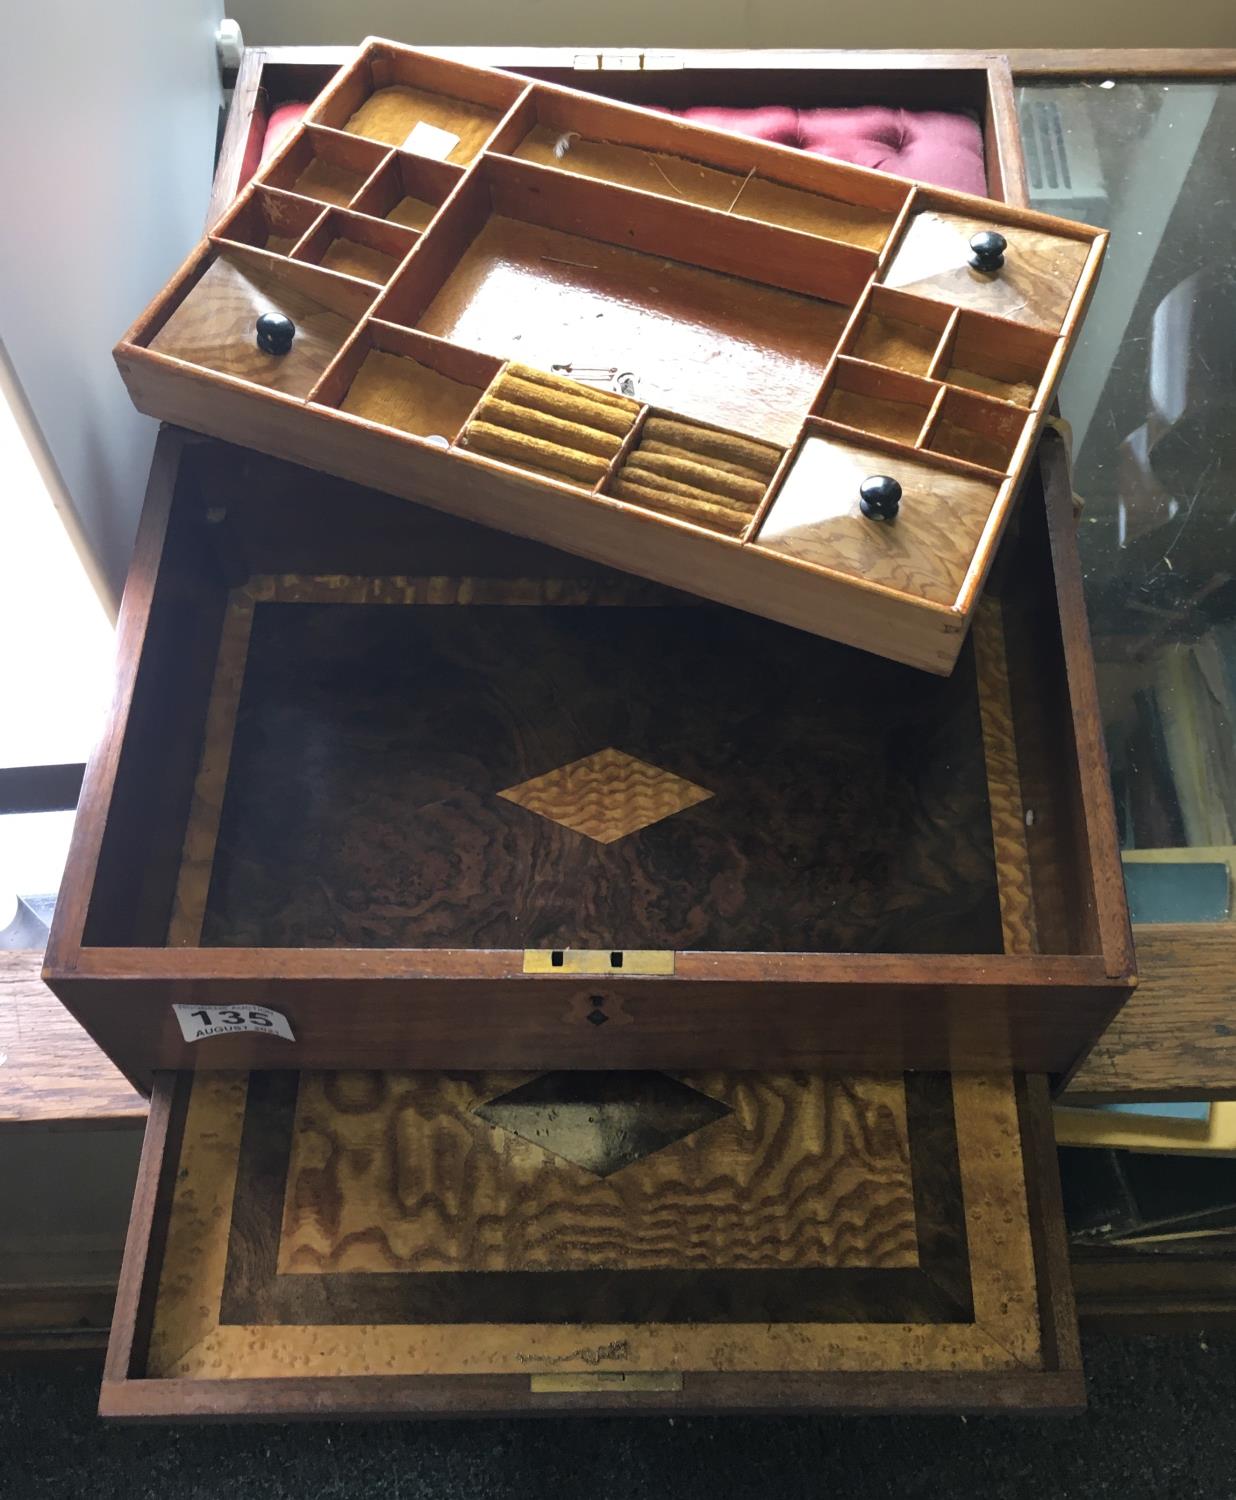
[108, 114]
[747, 23]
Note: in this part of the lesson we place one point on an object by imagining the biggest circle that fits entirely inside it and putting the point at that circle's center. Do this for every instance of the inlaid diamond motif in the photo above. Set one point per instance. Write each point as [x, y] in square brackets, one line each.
[602, 1122]
[606, 796]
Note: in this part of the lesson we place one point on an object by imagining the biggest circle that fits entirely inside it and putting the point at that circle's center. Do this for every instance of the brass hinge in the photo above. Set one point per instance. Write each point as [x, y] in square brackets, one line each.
[625, 62]
[607, 1380]
[611, 961]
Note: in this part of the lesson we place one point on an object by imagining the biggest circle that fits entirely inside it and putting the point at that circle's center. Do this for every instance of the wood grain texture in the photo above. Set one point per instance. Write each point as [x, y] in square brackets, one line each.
[1035, 286]
[390, 114]
[51, 1073]
[223, 1246]
[750, 197]
[202, 828]
[1176, 1036]
[606, 796]
[214, 327]
[370, 789]
[925, 553]
[389, 1172]
[1008, 814]
[726, 351]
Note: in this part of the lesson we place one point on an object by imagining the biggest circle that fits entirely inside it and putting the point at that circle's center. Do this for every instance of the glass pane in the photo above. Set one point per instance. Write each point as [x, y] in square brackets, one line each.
[1151, 394]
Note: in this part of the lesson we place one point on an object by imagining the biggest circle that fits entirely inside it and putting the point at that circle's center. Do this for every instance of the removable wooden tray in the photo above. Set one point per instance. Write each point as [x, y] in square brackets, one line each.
[746, 290]
[381, 1244]
[448, 798]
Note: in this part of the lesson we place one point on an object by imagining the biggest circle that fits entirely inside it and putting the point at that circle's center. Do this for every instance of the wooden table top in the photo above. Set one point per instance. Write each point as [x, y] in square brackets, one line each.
[51, 1073]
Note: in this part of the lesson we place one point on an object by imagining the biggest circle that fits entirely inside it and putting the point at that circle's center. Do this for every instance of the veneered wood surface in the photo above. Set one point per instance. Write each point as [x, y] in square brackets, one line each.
[969, 1301]
[454, 726]
[51, 1073]
[727, 351]
[395, 1173]
[1035, 285]
[215, 327]
[926, 552]
[751, 197]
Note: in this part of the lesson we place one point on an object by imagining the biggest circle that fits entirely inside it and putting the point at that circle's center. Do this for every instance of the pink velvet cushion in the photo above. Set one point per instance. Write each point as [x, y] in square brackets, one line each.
[933, 146]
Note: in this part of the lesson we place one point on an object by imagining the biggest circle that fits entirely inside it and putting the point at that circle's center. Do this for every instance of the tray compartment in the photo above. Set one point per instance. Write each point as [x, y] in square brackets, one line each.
[995, 358]
[715, 342]
[815, 516]
[551, 425]
[898, 331]
[268, 220]
[656, 155]
[970, 427]
[1034, 287]
[421, 104]
[407, 190]
[323, 165]
[395, 378]
[691, 472]
[873, 399]
[213, 325]
[354, 245]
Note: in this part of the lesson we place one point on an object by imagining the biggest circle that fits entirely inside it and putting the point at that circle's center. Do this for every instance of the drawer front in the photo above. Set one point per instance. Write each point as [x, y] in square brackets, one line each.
[309, 1244]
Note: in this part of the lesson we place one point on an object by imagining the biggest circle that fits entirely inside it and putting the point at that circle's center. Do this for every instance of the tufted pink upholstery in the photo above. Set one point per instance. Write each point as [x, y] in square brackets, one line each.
[935, 146]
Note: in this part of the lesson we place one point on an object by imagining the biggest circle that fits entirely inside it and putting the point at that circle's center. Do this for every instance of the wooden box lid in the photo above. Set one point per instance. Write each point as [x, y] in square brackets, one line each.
[795, 386]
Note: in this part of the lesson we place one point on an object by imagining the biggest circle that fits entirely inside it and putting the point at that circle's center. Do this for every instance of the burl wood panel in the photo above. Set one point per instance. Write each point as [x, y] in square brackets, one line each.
[391, 114]
[379, 1225]
[1034, 286]
[750, 197]
[839, 803]
[723, 350]
[396, 1173]
[215, 326]
[926, 551]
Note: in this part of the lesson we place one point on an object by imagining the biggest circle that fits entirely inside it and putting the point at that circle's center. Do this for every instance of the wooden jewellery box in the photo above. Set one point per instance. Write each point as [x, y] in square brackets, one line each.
[446, 799]
[443, 797]
[798, 387]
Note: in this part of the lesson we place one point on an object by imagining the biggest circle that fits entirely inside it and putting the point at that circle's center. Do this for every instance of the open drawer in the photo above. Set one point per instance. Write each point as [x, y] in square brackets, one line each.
[319, 1244]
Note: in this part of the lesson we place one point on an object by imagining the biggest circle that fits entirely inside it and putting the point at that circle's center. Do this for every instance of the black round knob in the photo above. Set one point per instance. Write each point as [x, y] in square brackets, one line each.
[275, 333]
[879, 497]
[987, 250]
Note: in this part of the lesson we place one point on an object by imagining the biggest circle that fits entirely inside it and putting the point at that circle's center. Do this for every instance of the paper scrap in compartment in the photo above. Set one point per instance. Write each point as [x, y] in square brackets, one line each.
[430, 140]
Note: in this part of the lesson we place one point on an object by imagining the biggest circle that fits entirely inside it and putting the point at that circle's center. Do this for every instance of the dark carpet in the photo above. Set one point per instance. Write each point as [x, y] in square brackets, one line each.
[1161, 1423]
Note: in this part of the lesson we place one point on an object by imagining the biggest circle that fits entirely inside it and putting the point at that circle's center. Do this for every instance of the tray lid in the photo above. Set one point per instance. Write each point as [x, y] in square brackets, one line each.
[799, 387]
